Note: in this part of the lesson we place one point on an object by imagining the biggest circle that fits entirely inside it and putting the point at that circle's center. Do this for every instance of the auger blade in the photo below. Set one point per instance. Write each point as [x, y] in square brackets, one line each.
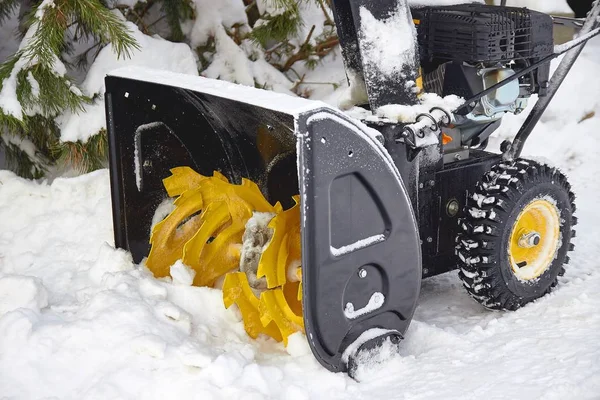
[207, 227]
[236, 290]
[170, 235]
[274, 307]
[284, 247]
[240, 199]
[214, 219]
[290, 291]
[223, 253]
[181, 180]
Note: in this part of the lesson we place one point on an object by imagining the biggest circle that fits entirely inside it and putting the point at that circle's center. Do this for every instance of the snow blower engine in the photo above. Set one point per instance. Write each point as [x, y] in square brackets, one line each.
[312, 220]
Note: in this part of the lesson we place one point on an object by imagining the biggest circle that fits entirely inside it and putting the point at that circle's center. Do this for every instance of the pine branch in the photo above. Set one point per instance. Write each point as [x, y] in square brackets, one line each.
[21, 163]
[175, 12]
[83, 157]
[53, 95]
[279, 27]
[306, 51]
[328, 20]
[7, 8]
[103, 25]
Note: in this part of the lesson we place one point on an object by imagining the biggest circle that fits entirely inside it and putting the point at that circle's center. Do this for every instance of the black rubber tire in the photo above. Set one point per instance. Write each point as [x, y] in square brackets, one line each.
[491, 210]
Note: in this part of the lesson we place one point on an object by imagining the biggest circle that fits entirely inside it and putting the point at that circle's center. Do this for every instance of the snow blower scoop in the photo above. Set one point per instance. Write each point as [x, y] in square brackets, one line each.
[312, 221]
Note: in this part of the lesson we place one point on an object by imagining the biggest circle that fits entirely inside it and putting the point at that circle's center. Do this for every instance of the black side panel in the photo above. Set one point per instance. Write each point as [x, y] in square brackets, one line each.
[360, 243]
[153, 128]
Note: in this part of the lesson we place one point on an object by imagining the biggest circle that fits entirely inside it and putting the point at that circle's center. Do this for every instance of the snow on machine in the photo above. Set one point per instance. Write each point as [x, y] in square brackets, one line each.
[315, 221]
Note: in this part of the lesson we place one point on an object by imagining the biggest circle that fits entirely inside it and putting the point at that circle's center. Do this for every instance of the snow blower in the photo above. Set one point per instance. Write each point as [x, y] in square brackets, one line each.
[315, 221]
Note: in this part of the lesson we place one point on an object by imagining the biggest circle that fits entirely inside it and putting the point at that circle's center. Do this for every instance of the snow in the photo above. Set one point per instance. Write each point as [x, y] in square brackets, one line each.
[79, 320]
[359, 244]
[364, 337]
[181, 274]
[39, 14]
[376, 35]
[154, 51]
[547, 6]
[239, 63]
[137, 156]
[416, 3]
[258, 97]
[231, 63]
[162, 210]
[17, 292]
[128, 3]
[375, 302]
[9, 103]
[401, 113]
[213, 16]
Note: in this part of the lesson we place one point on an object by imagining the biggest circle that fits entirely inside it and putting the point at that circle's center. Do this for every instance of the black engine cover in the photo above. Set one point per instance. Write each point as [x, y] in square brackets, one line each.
[477, 33]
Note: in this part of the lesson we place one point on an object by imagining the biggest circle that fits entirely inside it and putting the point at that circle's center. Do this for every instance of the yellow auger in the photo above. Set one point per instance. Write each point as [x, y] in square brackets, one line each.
[223, 230]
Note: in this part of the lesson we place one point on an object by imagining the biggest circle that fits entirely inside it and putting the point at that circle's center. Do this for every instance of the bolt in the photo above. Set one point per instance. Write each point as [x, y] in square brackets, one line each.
[529, 239]
[429, 239]
[452, 208]
[420, 186]
[362, 273]
[425, 271]
[505, 146]
[432, 183]
[457, 157]
[395, 339]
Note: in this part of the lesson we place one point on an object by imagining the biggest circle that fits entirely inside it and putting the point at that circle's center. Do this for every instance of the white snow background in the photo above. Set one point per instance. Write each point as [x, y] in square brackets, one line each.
[79, 320]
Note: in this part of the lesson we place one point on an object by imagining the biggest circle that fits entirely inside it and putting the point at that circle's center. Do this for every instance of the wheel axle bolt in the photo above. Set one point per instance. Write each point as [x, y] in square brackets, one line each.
[362, 273]
[452, 208]
[530, 239]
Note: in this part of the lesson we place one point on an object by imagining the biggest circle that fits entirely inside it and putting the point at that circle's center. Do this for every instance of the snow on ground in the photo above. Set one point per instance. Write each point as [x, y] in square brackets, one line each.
[547, 6]
[78, 320]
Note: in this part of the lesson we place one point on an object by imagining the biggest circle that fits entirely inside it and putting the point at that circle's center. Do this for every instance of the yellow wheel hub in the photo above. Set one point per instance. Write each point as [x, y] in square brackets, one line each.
[534, 239]
[205, 230]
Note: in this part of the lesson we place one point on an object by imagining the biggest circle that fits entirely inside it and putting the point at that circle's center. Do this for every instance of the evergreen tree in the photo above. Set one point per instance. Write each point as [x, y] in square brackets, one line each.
[34, 87]
[265, 43]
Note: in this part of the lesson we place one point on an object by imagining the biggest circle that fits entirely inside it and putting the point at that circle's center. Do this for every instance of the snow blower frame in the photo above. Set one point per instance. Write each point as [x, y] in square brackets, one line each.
[383, 203]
